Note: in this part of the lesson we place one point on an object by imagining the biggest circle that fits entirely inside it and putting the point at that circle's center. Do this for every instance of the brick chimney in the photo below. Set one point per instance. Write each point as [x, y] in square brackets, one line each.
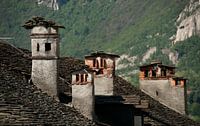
[83, 92]
[45, 54]
[104, 66]
[159, 81]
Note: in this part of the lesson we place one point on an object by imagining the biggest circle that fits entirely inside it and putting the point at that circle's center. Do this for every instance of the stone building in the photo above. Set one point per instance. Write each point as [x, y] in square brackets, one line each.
[45, 54]
[159, 81]
[26, 103]
[83, 92]
[109, 108]
[104, 66]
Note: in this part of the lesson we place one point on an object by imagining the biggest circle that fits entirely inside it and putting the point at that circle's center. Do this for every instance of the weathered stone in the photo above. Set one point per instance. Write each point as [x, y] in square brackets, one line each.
[189, 21]
[163, 91]
[49, 3]
[27, 94]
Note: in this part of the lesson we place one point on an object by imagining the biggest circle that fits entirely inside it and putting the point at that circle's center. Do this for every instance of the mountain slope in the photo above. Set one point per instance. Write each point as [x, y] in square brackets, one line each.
[138, 30]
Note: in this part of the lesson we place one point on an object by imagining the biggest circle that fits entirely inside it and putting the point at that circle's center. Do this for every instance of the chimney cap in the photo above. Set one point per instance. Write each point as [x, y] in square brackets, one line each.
[158, 63]
[83, 71]
[179, 78]
[101, 54]
[40, 21]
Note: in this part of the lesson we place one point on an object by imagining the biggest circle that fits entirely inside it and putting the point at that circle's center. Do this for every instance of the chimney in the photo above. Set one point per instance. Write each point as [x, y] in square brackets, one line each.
[159, 81]
[104, 66]
[83, 92]
[45, 54]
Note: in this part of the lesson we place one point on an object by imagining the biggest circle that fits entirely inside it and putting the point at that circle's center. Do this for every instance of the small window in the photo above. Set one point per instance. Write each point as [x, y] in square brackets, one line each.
[105, 65]
[97, 64]
[94, 61]
[153, 73]
[163, 73]
[77, 77]
[146, 73]
[86, 76]
[178, 82]
[156, 93]
[47, 46]
[82, 78]
[38, 47]
[101, 62]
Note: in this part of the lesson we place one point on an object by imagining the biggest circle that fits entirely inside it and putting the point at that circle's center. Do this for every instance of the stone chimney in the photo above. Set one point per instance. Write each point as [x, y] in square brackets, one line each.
[45, 54]
[83, 92]
[104, 66]
[159, 81]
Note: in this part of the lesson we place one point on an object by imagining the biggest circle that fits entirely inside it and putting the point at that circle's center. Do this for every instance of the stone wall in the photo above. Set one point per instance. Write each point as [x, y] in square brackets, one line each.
[164, 92]
[83, 99]
[44, 75]
[54, 52]
[103, 86]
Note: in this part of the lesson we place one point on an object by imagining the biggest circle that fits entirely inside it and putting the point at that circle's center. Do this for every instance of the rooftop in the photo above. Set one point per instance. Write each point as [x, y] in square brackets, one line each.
[158, 64]
[101, 54]
[44, 109]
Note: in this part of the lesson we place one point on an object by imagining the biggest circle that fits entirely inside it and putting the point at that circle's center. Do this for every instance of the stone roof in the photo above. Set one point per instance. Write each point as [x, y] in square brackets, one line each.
[21, 103]
[157, 64]
[101, 54]
[157, 113]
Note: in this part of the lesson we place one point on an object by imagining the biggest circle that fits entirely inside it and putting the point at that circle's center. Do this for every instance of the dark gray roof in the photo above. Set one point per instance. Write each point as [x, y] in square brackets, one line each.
[157, 111]
[20, 63]
[40, 21]
[158, 64]
[21, 103]
[102, 54]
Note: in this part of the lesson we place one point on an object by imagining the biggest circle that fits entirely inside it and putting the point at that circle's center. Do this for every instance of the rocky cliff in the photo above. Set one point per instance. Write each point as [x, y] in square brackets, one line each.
[49, 3]
[188, 21]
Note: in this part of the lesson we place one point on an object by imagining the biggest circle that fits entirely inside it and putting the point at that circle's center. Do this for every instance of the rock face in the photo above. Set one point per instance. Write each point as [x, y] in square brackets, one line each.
[49, 3]
[173, 56]
[149, 52]
[189, 21]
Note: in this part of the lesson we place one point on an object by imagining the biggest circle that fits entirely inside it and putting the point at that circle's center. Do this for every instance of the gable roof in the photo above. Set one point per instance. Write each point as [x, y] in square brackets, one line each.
[19, 62]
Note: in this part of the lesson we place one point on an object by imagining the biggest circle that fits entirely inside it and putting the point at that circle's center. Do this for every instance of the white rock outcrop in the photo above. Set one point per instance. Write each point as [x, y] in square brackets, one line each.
[49, 3]
[148, 54]
[173, 56]
[189, 22]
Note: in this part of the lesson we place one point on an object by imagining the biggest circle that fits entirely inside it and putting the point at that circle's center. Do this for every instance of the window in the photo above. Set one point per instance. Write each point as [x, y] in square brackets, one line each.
[38, 47]
[146, 73]
[105, 65]
[156, 93]
[77, 77]
[101, 62]
[153, 73]
[94, 61]
[86, 76]
[97, 64]
[47, 46]
[163, 73]
[178, 82]
[82, 78]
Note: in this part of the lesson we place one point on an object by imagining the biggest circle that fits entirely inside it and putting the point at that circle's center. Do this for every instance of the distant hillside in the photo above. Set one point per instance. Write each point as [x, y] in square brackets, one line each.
[138, 30]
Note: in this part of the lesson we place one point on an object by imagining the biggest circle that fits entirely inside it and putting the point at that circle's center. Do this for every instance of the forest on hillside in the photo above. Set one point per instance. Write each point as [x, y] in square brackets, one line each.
[128, 28]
